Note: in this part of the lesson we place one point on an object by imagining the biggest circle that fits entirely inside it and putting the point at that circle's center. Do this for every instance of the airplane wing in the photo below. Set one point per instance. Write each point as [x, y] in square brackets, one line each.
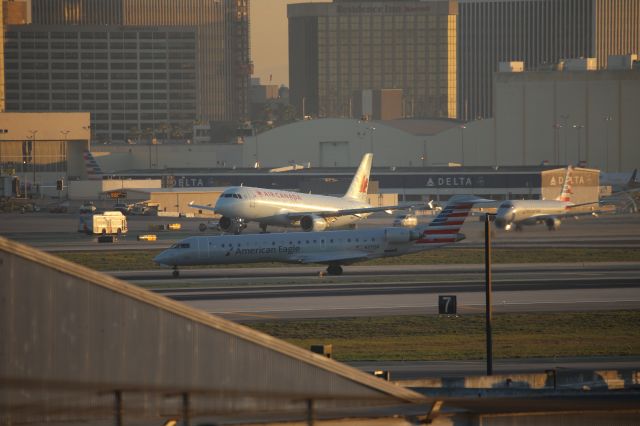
[198, 206]
[343, 257]
[544, 217]
[347, 212]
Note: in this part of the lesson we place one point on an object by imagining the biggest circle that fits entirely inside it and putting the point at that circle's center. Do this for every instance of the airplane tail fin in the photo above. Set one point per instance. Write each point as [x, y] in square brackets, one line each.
[567, 190]
[446, 226]
[360, 183]
[632, 179]
[94, 172]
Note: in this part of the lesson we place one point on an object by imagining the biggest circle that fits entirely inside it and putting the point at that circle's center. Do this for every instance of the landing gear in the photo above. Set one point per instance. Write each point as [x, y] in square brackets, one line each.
[334, 269]
[176, 272]
[263, 228]
[518, 228]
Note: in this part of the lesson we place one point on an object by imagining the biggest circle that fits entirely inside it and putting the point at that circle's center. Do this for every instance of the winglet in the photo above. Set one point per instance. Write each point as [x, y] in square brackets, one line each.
[360, 183]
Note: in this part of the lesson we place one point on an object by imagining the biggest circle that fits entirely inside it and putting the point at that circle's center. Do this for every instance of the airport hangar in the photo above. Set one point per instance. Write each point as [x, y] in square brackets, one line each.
[388, 186]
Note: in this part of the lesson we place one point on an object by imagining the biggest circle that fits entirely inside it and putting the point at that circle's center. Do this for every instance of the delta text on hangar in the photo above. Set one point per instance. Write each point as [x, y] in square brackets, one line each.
[410, 183]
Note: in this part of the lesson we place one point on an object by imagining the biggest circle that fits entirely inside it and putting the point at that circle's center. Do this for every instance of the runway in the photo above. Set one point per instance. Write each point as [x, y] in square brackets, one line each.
[246, 294]
[58, 232]
[412, 370]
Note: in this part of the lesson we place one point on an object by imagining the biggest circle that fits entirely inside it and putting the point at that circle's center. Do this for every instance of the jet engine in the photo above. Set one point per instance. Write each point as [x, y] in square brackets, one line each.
[552, 223]
[313, 223]
[228, 224]
[400, 235]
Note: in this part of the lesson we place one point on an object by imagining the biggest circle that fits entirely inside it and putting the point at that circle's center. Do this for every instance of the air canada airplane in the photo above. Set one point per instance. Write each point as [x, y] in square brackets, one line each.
[517, 213]
[333, 248]
[241, 204]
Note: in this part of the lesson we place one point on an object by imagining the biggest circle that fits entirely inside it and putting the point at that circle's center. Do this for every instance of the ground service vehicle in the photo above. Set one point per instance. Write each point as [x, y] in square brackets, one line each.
[109, 222]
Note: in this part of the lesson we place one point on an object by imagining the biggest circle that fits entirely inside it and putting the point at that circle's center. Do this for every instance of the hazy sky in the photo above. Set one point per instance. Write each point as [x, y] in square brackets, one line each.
[269, 40]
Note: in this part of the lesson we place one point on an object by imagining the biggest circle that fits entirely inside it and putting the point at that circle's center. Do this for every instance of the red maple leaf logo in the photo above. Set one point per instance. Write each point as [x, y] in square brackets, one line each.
[364, 184]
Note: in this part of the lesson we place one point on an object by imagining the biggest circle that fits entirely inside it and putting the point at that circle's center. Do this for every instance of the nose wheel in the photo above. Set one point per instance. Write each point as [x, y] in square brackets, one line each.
[334, 269]
[176, 272]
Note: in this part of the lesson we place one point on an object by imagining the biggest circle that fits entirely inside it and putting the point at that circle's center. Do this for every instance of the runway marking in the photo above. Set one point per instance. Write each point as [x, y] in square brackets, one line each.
[247, 314]
[468, 306]
[503, 303]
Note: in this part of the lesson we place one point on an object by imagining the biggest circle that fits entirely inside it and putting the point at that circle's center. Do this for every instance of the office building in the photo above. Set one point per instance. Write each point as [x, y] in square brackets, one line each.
[195, 53]
[134, 82]
[539, 33]
[338, 50]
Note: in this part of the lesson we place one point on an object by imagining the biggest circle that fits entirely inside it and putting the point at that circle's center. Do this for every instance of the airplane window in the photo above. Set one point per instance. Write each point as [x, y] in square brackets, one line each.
[174, 246]
[357, 240]
[315, 241]
[349, 240]
[299, 242]
[322, 241]
[307, 241]
[273, 243]
[331, 240]
[184, 245]
[239, 196]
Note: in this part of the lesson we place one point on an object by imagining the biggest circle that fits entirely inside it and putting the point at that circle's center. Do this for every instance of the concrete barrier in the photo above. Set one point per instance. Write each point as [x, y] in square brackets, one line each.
[549, 380]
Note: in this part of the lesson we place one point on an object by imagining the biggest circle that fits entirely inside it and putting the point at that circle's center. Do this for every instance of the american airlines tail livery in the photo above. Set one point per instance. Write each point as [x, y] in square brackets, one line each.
[332, 248]
[517, 213]
[241, 204]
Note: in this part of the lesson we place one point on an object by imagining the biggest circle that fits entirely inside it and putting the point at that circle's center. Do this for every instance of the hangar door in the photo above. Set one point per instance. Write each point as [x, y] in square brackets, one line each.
[334, 154]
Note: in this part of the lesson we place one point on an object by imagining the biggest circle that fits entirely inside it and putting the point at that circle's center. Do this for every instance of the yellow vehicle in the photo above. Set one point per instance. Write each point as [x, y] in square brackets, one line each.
[147, 237]
[174, 226]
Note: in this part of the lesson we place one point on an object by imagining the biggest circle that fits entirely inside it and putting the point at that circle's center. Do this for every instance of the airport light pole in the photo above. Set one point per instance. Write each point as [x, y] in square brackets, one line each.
[607, 119]
[565, 119]
[33, 157]
[371, 130]
[462, 143]
[64, 134]
[579, 128]
[488, 218]
[556, 142]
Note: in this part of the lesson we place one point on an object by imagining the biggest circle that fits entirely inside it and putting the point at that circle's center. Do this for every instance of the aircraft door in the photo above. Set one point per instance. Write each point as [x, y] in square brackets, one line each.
[252, 200]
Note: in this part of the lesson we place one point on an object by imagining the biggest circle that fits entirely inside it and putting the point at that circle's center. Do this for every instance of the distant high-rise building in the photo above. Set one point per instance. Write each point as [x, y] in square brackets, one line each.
[11, 12]
[338, 50]
[538, 32]
[163, 62]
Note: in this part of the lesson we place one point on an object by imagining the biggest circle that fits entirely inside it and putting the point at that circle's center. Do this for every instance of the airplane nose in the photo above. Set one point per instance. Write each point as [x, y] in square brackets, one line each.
[221, 206]
[504, 218]
[162, 258]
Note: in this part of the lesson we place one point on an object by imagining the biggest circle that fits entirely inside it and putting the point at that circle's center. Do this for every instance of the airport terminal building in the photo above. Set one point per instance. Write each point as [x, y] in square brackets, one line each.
[410, 184]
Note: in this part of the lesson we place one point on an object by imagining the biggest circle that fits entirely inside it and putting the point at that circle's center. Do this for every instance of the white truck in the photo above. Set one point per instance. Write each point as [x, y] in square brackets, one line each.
[109, 222]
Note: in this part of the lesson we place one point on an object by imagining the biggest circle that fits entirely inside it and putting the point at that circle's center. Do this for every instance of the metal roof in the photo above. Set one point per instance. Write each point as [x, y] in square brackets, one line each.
[74, 339]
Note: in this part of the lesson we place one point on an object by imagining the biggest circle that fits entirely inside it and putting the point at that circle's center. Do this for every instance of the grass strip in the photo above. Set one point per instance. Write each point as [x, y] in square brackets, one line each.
[143, 259]
[416, 338]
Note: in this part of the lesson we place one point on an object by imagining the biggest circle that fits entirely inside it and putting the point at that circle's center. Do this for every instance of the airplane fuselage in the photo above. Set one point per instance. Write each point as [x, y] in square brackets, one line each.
[529, 212]
[273, 207]
[293, 247]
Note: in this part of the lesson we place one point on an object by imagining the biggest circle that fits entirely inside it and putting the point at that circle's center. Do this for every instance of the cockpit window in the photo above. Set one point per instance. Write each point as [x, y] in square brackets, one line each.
[506, 205]
[180, 246]
[232, 196]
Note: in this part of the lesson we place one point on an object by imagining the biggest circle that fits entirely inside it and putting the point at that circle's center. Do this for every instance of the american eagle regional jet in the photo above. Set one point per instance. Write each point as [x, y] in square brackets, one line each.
[332, 248]
[241, 204]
